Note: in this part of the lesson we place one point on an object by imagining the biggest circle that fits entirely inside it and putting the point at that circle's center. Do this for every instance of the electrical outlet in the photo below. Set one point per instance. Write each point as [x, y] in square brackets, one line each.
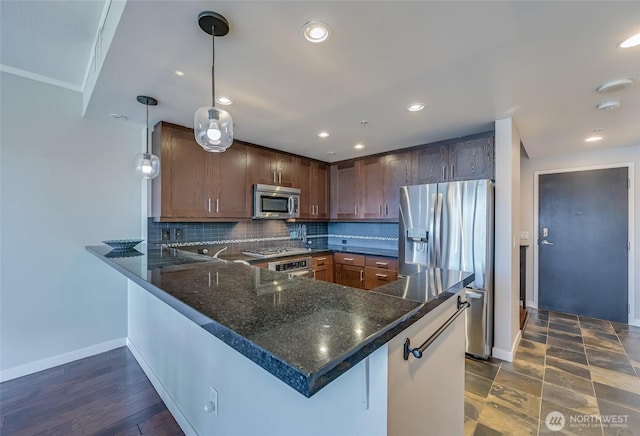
[166, 234]
[524, 235]
[344, 241]
[211, 406]
[179, 235]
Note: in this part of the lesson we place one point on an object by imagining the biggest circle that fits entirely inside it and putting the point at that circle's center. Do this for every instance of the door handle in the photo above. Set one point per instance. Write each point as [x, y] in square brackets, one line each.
[361, 275]
[279, 178]
[545, 242]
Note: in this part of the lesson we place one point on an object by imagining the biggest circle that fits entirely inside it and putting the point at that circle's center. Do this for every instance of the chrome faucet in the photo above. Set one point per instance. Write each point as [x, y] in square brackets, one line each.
[215, 256]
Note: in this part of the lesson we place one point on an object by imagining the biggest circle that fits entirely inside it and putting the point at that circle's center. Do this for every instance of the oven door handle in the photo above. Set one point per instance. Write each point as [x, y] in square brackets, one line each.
[301, 273]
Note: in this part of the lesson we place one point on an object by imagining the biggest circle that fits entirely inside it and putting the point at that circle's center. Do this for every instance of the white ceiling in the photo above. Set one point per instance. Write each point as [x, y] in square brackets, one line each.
[469, 62]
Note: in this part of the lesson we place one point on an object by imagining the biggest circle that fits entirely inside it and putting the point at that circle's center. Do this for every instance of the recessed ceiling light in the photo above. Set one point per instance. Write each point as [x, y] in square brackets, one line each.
[323, 134]
[634, 41]
[224, 100]
[593, 138]
[119, 116]
[179, 73]
[614, 85]
[315, 31]
[415, 107]
[609, 105]
[358, 146]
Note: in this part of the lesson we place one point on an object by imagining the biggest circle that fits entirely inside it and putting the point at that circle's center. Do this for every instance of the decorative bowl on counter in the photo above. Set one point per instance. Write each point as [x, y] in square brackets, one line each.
[122, 244]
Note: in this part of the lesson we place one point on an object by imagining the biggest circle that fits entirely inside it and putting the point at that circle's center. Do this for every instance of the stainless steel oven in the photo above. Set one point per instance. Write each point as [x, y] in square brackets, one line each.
[299, 267]
[275, 202]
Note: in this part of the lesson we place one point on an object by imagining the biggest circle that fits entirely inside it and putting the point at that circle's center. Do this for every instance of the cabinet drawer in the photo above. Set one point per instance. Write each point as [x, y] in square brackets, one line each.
[382, 262]
[349, 259]
[321, 260]
[374, 277]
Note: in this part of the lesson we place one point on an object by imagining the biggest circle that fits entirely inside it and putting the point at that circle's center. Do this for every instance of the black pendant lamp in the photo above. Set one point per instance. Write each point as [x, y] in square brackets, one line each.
[147, 164]
[213, 127]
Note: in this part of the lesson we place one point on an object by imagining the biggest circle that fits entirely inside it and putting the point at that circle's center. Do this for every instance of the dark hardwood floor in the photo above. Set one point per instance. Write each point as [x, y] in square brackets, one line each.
[105, 394]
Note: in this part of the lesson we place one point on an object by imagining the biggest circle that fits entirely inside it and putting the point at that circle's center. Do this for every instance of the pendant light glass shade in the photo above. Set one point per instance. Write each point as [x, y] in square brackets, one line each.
[147, 164]
[213, 127]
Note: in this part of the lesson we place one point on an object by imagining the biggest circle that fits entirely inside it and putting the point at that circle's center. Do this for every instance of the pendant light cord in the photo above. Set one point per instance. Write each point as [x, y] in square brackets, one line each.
[147, 126]
[213, 60]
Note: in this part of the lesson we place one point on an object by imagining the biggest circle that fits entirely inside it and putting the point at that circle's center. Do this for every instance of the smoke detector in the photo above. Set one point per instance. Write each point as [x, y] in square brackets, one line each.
[609, 105]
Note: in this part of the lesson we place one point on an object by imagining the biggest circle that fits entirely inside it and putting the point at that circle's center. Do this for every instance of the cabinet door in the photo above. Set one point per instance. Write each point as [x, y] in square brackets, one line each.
[397, 172]
[344, 190]
[375, 277]
[472, 160]
[323, 268]
[185, 167]
[371, 186]
[234, 190]
[430, 165]
[306, 184]
[350, 275]
[263, 166]
[286, 168]
[321, 183]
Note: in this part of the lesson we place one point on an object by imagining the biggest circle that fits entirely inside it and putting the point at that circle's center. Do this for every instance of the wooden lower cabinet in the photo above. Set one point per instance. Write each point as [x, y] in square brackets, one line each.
[375, 277]
[322, 267]
[350, 275]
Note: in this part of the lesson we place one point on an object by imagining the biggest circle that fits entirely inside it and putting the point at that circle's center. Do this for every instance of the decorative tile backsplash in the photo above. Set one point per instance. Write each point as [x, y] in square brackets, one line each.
[274, 233]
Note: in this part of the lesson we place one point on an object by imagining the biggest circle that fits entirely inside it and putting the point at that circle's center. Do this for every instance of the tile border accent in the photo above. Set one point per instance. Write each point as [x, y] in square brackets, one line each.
[371, 238]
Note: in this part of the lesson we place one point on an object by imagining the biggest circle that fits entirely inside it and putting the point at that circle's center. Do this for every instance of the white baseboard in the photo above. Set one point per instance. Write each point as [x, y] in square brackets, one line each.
[508, 355]
[634, 322]
[60, 359]
[532, 304]
[182, 421]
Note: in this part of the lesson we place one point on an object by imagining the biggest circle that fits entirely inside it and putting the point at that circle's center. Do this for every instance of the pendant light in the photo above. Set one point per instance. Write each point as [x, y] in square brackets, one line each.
[213, 127]
[147, 164]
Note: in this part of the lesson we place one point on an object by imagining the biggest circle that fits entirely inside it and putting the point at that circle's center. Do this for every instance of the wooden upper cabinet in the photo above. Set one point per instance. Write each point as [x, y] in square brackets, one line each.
[195, 184]
[467, 159]
[430, 164]
[472, 160]
[232, 182]
[397, 172]
[272, 168]
[304, 182]
[320, 186]
[180, 191]
[371, 188]
[344, 190]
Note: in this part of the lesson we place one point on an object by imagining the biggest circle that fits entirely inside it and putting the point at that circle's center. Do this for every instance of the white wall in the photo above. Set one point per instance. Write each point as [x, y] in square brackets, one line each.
[507, 219]
[66, 182]
[613, 156]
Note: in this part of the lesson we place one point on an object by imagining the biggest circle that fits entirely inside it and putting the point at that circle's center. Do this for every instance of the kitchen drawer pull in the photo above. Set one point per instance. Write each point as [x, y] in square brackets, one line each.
[382, 263]
[381, 276]
[348, 259]
[321, 259]
[417, 352]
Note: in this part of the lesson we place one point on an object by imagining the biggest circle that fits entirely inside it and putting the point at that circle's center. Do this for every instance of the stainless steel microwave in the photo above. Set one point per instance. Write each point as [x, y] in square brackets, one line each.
[275, 202]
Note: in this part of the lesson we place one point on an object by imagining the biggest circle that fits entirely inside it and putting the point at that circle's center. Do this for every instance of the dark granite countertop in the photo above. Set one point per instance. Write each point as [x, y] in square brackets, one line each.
[303, 331]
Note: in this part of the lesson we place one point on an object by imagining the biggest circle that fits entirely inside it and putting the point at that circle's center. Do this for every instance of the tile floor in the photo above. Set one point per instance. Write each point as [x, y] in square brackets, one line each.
[584, 370]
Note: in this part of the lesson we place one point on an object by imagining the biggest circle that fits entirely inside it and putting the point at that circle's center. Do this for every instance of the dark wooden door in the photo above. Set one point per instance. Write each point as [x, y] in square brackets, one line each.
[344, 190]
[430, 165]
[231, 178]
[350, 275]
[472, 160]
[583, 243]
[185, 167]
[371, 192]
[397, 172]
[321, 184]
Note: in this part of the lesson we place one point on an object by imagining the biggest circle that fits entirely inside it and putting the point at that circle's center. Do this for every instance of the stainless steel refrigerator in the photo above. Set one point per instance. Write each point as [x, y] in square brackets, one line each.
[450, 225]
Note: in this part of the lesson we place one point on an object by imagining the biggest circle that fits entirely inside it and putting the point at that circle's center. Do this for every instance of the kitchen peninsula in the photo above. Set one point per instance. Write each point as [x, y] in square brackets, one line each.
[234, 349]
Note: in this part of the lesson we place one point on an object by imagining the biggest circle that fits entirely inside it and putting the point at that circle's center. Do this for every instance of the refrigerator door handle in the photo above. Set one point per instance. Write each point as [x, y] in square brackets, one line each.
[438, 243]
[432, 234]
